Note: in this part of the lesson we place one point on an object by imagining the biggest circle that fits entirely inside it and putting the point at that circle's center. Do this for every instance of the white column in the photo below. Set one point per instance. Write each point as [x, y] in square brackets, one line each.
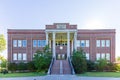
[54, 49]
[46, 38]
[75, 40]
[68, 44]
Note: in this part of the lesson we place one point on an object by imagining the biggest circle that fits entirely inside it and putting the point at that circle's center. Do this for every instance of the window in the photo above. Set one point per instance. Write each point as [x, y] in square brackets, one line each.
[87, 43]
[107, 56]
[87, 56]
[14, 43]
[82, 44]
[107, 43]
[78, 43]
[14, 56]
[39, 43]
[103, 43]
[19, 56]
[103, 55]
[24, 56]
[34, 43]
[19, 43]
[98, 43]
[97, 56]
[43, 43]
[24, 43]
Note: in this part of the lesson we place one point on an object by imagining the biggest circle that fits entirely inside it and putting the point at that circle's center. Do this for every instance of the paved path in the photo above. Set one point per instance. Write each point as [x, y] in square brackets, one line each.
[60, 77]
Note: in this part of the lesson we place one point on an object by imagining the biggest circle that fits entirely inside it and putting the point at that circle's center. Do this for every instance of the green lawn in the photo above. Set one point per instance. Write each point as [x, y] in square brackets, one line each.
[21, 74]
[101, 74]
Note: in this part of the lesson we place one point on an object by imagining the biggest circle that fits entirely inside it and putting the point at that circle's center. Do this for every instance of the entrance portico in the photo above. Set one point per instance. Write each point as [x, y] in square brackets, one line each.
[61, 39]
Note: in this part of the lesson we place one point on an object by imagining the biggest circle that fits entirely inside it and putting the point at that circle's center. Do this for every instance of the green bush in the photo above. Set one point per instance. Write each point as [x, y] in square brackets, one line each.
[101, 64]
[12, 67]
[31, 66]
[117, 67]
[90, 65]
[21, 66]
[79, 61]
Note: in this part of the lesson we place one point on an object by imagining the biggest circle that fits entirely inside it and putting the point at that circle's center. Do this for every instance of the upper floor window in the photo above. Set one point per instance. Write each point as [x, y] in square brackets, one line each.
[19, 43]
[82, 44]
[14, 43]
[78, 43]
[98, 43]
[87, 43]
[24, 43]
[107, 43]
[103, 43]
[34, 43]
[43, 43]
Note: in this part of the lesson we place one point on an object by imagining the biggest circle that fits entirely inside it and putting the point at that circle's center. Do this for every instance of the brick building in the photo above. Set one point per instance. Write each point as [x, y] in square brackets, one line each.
[62, 38]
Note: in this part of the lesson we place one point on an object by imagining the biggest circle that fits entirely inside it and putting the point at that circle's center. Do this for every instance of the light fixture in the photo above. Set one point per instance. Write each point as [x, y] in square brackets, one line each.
[61, 47]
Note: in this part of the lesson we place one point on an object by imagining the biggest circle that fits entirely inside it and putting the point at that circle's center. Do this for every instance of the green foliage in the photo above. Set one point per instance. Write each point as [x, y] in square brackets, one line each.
[31, 66]
[42, 59]
[12, 67]
[90, 65]
[79, 61]
[3, 62]
[101, 64]
[2, 43]
[21, 66]
[117, 67]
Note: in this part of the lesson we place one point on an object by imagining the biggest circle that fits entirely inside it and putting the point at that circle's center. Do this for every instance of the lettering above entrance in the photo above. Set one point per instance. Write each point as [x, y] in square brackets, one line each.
[61, 26]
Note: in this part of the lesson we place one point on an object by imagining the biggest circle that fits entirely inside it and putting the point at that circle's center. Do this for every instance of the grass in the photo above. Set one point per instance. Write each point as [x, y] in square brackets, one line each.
[22, 74]
[101, 74]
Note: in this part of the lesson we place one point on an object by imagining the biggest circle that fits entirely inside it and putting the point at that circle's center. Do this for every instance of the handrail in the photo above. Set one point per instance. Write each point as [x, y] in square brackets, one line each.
[71, 66]
[50, 67]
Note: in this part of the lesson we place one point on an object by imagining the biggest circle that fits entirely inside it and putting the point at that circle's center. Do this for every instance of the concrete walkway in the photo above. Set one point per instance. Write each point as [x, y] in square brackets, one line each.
[60, 77]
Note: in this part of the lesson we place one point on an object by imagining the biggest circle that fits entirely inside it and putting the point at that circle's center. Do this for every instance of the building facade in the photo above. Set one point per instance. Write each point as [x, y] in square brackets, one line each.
[62, 38]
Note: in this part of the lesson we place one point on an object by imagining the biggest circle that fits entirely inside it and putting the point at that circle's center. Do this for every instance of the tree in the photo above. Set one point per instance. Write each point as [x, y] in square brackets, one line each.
[42, 59]
[79, 61]
[2, 43]
[3, 62]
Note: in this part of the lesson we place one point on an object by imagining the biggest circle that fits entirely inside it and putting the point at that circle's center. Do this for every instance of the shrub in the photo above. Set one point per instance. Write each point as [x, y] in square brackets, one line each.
[117, 67]
[79, 61]
[12, 67]
[101, 64]
[31, 66]
[90, 65]
[21, 66]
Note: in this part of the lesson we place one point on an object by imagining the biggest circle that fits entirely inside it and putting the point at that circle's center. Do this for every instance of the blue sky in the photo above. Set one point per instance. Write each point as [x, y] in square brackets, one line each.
[35, 14]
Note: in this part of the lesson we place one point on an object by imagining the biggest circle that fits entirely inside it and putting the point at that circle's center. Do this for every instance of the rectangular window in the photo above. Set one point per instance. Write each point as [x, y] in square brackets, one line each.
[19, 43]
[19, 56]
[82, 44]
[43, 43]
[98, 43]
[14, 56]
[24, 43]
[14, 43]
[24, 56]
[107, 56]
[103, 55]
[34, 43]
[78, 43]
[87, 56]
[107, 43]
[39, 43]
[87, 43]
[98, 56]
[103, 43]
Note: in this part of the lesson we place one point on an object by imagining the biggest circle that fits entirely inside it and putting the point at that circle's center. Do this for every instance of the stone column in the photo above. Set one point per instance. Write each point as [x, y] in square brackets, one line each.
[68, 44]
[46, 38]
[54, 49]
[75, 40]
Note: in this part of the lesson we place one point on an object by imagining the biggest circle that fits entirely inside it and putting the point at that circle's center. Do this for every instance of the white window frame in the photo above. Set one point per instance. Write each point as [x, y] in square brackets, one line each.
[102, 55]
[97, 43]
[24, 56]
[107, 56]
[98, 56]
[87, 56]
[107, 43]
[34, 44]
[78, 43]
[19, 43]
[14, 56]
[87, 43]
[82, 42]
[19, 56]
[102, 43]
[14, 43]
[24, 43]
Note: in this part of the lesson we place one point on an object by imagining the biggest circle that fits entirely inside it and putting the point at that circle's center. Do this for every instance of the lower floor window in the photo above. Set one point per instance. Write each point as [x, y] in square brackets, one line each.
[103, 56]
[14, 56]
[87, 56]
[19, 56]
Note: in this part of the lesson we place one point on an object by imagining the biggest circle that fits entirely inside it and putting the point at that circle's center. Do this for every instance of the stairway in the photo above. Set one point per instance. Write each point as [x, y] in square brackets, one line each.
[61, 67]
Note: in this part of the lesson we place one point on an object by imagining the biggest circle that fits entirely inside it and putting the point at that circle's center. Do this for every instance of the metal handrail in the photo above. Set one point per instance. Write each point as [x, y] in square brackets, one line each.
[71, 66]
[50, 67]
